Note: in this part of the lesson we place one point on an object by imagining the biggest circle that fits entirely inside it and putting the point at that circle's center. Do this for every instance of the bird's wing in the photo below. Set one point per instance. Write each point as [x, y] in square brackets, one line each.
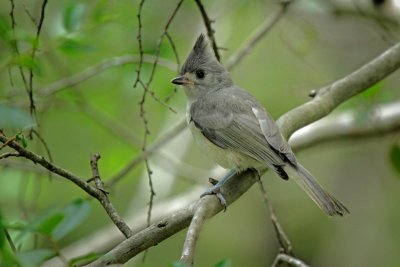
[228, 121]
[272, 133]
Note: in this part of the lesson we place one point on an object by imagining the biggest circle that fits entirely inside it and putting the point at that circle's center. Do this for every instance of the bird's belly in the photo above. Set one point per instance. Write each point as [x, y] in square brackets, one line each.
[226, 158]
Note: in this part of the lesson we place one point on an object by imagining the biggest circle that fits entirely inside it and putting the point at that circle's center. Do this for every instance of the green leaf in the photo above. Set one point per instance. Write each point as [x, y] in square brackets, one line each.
[71, 45]
[14, 118]
[33, 258]
[26, 61]
[224, 263]
[85, 259]
[73, 15]
[74, 214]
[179, 264]
[50, 223]
[21, 139]
[394, 155]
[44, 223]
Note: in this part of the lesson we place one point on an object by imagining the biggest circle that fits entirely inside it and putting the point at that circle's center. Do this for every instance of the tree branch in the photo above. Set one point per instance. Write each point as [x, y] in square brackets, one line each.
[96, 192]
[105, 202]
[331, 96]
[100, 67]
[210, 31]
[384, 123]
[292, 261]
[326, 100]
[381, 120]
[260, 32]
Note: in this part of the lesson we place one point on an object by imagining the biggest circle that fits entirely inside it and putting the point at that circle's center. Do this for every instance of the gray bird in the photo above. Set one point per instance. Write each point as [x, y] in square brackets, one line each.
[234, 129]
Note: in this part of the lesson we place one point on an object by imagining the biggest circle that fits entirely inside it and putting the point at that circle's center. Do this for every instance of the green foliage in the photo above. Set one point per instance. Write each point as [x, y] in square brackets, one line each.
[6, 257]
[82, 260]
[73, 15]
[26, 61]
[224, 263]
[394, 156]
[74, 214]
[14, 118]
[74, 46]
[33, 258]
[22, 140]
[55, 222]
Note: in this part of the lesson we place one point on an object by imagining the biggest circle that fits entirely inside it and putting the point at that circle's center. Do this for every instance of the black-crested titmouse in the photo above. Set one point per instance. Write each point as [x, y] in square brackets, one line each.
[235, 129]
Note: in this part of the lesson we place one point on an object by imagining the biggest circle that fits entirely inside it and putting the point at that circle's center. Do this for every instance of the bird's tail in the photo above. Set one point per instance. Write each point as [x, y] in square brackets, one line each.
[324, 200]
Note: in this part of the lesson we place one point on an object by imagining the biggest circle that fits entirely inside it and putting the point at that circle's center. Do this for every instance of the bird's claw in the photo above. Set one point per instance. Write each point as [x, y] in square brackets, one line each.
[216, 190]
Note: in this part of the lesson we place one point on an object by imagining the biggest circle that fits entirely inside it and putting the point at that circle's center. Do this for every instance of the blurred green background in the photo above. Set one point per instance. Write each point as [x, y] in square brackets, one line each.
[313, 45]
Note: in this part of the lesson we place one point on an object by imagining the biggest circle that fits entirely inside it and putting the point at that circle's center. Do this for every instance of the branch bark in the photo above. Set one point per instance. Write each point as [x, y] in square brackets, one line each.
[327, 99]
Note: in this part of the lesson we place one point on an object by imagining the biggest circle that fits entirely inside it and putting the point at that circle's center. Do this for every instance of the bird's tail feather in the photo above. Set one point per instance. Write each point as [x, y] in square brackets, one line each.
[324, 200]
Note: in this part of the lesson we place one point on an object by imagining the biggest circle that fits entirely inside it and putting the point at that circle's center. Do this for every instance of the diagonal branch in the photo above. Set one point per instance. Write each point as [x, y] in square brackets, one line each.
[259, 33]
[96, 192]
[331, 96]
[327, 99]
[386, 121]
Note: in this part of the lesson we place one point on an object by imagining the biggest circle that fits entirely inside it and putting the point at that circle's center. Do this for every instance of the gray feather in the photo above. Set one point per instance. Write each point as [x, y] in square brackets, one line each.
[226, 119]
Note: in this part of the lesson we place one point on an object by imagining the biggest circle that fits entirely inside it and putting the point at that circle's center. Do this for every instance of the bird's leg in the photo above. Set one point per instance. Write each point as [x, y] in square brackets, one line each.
[216, 188]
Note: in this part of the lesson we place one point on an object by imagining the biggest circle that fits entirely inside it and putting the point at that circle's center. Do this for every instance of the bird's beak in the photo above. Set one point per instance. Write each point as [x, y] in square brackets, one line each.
[181, 80]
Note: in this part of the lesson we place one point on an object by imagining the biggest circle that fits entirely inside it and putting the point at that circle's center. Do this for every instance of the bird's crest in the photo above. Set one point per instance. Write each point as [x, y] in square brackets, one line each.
[200, 54]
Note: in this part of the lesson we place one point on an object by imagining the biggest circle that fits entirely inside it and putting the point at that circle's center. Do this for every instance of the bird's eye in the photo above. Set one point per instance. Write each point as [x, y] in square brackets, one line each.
[200, 74]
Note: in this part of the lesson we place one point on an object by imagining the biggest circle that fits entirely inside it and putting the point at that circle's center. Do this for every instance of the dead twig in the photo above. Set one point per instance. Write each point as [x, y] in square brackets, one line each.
[104, 200]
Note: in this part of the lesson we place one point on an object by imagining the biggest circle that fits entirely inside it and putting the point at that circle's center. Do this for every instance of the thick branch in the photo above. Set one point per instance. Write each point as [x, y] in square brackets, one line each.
[331, 96]
[382, 119]
[174, 222]
[327, 99]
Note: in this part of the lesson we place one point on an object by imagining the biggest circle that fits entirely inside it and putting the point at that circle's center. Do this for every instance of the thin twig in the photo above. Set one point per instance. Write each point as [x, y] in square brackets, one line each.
[95, 192]
[159, 43]
[116, 128]
[210, 31]
[259, 33]
[139, 39]
[283, 240]
[9, 154]
[100, 67]
[9, 240]
[15, 44]
[50, 166]
[104, 200]
[144, 145]
[172, 43]
[166, 138]
[292, 261]
[45, 145]
[34, 49]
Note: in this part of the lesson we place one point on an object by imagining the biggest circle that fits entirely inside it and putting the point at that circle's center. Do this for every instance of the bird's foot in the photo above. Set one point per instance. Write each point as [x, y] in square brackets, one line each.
[216, 190]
